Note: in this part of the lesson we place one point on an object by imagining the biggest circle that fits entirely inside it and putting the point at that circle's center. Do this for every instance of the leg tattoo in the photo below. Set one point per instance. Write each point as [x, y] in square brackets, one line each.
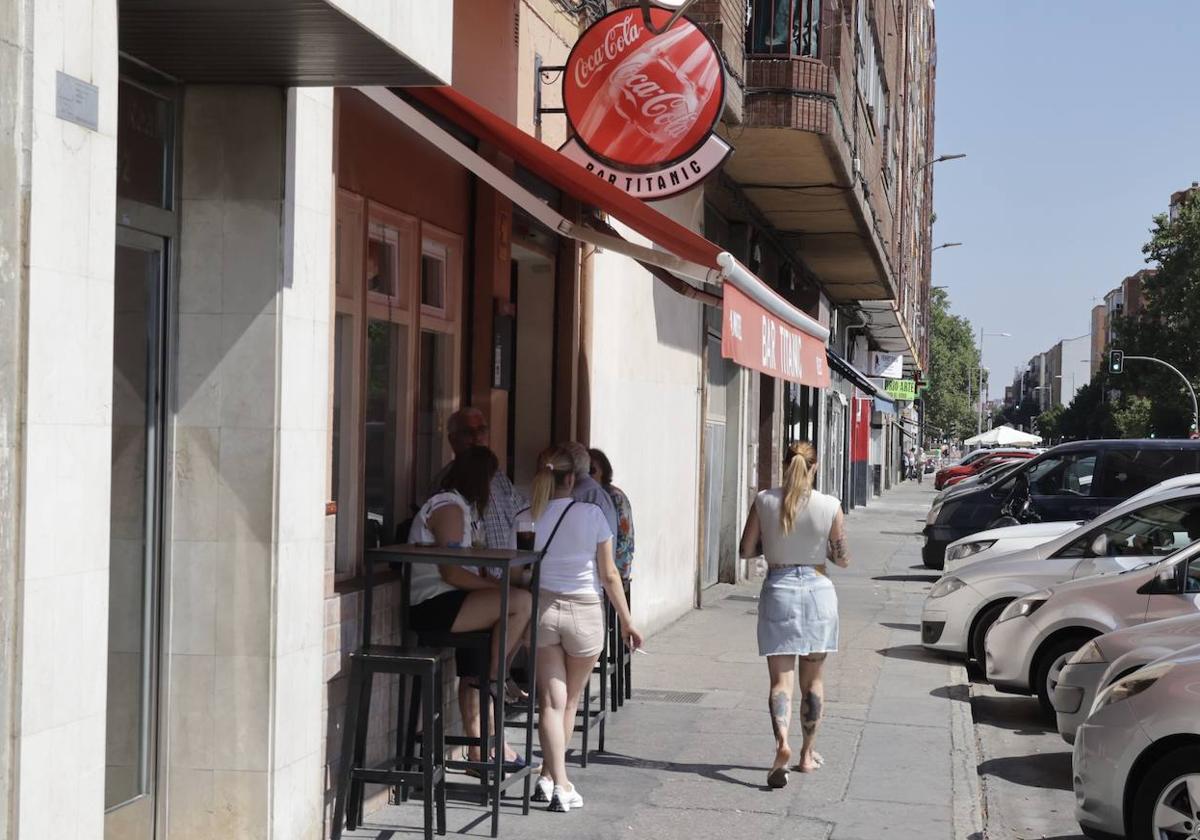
[810, 712]
[781, 713]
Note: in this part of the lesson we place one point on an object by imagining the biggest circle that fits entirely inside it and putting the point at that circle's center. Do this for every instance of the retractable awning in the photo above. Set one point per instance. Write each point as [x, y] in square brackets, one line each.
[852, 373]
[762, 330]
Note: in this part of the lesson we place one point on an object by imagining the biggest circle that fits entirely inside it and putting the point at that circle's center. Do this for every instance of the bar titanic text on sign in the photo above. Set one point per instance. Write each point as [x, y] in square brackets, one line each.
[756, 339]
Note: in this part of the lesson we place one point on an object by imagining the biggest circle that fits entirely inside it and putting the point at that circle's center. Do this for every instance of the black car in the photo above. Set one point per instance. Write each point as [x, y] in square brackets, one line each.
[1074, 481]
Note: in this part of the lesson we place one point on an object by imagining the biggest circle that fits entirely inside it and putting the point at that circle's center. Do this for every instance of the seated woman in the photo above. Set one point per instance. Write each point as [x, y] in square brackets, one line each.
[462, 600]
[578, 563]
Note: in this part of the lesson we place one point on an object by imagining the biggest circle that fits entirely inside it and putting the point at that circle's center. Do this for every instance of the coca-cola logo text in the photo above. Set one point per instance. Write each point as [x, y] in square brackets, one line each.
[616, 40]
[640, 101]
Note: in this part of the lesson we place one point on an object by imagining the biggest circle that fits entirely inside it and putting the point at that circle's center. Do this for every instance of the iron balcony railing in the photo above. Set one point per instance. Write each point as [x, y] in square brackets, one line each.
[784, 28]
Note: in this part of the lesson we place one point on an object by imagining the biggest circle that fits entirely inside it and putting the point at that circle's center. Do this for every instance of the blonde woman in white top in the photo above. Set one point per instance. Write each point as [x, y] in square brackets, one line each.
[797, 530]
[577, 568]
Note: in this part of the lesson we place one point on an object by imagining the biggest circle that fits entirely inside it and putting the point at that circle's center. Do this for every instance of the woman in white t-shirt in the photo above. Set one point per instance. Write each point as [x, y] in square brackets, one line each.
[460, 600]
[577, 566]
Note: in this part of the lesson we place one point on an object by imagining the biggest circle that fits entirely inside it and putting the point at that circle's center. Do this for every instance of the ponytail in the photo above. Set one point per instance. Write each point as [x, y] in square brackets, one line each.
[554, 465]
[798, 467]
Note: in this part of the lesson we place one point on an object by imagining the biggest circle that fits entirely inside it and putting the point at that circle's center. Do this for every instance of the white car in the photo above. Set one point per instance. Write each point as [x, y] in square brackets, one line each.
[962, 605]
[1034, 637]
[997, 542]
[1137, 758]
[1108, 658]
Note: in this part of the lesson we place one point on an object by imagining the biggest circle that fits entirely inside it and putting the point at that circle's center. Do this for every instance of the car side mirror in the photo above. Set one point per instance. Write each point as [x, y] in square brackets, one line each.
[1099, 547]
[1166, 582]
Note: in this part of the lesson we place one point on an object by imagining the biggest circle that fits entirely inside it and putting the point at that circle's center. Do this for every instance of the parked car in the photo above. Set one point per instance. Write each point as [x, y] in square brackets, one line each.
[1136, 764]
[996, 542]
[1108, 658]
[963, 466]
[1070, 483]
[1034, 637]
[953, 475]
[984, 476]
[962, 606]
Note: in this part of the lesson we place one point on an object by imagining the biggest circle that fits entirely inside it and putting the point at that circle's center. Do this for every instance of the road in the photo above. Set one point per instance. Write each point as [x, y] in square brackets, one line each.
[687, 758]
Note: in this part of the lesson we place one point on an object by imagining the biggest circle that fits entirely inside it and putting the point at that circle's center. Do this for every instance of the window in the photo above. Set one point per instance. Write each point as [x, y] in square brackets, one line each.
[1154, 531]
[1065, 475]
[1127, 472]
[784, 27]
[1191, 583]
[392, 362]
[870, 71]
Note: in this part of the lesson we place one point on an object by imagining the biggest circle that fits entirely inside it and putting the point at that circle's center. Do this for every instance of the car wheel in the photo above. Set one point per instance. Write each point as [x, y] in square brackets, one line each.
[1167, 801]
[983, 623]
[1049, 666]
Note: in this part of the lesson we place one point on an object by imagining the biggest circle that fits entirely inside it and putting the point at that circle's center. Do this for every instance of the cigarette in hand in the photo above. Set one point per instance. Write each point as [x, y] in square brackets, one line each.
[642, 651]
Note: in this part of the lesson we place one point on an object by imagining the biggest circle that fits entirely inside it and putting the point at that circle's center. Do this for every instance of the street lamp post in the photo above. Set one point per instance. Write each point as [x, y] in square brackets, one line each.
[979, 423]
[944, 245]
[943, 159]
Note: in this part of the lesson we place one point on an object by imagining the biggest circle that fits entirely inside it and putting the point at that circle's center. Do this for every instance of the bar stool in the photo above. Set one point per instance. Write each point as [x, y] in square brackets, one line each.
[617, 653]
[425, 667]
[480, 643]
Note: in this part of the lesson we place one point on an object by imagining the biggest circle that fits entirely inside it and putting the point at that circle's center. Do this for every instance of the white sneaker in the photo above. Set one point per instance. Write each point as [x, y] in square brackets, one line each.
[543, 790]
[563, 800]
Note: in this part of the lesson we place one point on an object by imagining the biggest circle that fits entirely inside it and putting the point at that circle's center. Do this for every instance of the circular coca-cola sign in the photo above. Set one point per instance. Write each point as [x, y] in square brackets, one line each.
[639, 101]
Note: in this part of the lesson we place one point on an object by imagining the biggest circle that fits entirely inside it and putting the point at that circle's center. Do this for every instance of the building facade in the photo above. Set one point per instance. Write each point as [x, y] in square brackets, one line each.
[245, 283]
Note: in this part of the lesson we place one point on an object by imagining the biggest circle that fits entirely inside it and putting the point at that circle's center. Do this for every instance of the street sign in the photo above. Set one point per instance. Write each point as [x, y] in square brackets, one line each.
[901, 389]
[887, 365]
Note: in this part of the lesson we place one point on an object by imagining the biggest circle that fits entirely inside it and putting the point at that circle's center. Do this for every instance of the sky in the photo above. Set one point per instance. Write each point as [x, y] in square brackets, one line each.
[1079, 118]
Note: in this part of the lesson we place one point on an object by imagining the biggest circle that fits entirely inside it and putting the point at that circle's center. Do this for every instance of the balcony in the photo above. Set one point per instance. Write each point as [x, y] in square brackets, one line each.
[795, 150]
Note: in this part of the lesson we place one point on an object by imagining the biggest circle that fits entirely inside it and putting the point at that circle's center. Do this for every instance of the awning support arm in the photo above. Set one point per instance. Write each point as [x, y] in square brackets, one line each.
[522, 197]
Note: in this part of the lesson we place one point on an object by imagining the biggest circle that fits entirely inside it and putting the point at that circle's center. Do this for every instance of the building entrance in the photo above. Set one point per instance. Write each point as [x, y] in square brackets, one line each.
[144, 252]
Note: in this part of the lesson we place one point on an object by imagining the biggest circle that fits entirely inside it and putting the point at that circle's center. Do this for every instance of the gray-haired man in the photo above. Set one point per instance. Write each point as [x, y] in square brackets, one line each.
[587, 489]
[468, 427]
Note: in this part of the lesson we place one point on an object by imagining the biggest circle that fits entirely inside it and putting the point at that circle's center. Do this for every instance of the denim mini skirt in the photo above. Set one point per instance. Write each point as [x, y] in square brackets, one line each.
[797, 613]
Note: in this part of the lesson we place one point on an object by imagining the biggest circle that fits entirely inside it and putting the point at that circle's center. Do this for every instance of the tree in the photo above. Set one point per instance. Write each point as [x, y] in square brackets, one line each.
[1132, 419]
[1167, 327]
[953, 370]
[1049, 423]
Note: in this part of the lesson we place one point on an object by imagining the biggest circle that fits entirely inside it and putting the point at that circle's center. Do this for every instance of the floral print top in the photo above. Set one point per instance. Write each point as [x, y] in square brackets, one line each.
[623, 543]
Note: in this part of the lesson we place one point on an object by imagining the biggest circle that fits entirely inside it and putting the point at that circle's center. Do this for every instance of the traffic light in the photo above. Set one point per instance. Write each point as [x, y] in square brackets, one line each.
[1116, 361]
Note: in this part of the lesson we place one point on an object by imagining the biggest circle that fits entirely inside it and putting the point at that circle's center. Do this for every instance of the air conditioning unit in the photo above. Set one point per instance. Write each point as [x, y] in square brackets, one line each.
[856, 167]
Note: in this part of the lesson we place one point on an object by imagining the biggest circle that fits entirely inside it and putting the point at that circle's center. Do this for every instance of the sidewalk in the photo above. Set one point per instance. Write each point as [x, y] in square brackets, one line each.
[688, 756]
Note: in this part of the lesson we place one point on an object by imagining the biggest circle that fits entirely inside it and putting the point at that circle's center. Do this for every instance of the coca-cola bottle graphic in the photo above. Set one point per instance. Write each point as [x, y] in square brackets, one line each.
[655, 100]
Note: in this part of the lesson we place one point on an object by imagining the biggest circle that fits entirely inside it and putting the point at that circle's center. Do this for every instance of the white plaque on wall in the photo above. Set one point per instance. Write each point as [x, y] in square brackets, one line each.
[76, 101]
[887, 365]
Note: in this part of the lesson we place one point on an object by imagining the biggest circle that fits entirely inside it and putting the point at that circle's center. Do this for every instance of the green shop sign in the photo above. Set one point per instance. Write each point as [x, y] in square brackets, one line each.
[901, 389]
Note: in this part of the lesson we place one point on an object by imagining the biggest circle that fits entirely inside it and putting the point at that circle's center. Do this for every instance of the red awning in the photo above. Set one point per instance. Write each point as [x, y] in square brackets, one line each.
[760, 311]
[567, 175]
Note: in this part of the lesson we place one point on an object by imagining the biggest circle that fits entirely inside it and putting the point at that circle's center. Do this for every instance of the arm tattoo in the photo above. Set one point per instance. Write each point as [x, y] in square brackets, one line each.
[810, 712]
[781, 712]
[839, 552]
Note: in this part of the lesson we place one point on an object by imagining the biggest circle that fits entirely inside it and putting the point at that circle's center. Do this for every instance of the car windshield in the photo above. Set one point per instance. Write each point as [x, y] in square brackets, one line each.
[1153, 530]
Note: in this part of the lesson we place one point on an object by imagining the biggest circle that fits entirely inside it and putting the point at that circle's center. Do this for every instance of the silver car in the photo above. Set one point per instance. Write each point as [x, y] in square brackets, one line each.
[1108, 658]
[964, 604]
[1034, 637]
[1137, 758]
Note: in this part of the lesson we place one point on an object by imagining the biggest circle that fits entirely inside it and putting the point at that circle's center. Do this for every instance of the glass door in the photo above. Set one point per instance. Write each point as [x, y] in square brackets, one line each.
[135, 525]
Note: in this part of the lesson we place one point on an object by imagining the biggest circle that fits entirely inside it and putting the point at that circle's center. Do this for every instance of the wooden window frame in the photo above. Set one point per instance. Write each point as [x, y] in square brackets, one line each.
[354, 301]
